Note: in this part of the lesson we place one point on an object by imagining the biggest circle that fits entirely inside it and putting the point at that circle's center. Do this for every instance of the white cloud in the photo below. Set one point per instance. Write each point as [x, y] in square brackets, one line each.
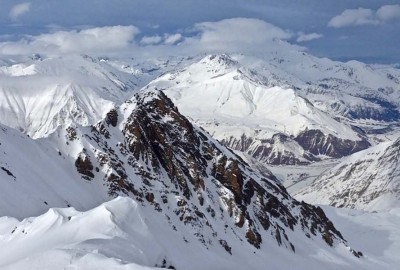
[18, 10]
[172, 39]
[238, 35]
[363, 16]
[302, 37]
[146, 40]
[100, 39]
[240, 30]
[167, 39]
[388, 12]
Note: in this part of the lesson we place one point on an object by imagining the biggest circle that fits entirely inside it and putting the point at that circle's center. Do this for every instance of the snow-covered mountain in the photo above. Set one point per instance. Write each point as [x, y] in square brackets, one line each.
[39, 94]
[87, 145]
[285, 108]
[250, 108]
[367, 180]
[147, 150]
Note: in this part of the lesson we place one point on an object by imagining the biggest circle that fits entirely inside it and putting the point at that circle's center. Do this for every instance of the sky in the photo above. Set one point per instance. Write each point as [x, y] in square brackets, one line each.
[364, 30]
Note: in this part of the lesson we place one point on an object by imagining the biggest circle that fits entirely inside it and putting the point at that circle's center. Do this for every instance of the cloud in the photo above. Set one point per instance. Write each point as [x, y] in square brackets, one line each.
[146, 40]
[354, 17]
[168, 39]
[363, 16]
[99, 39]
[172, 39]
[18, 10]
[240, 30]
[302, 37]
[240, 35]
[388, 12]
[237, 35]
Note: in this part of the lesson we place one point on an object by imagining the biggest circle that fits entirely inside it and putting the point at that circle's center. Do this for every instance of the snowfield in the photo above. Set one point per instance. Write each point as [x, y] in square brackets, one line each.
[121, 234]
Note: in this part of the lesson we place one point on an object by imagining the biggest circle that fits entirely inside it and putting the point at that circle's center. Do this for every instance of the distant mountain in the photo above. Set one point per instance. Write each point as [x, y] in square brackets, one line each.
[251, 105]
[287, 107]
[39, 94]
[367, 180]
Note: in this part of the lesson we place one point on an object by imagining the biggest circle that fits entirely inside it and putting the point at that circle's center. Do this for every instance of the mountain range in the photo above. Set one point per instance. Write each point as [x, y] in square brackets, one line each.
[121, 159]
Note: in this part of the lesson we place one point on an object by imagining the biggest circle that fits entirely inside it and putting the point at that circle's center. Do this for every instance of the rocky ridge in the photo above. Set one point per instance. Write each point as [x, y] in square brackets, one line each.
[147, 150]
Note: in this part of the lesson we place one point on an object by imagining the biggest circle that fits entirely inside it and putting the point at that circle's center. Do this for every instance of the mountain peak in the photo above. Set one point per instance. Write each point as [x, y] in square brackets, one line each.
[219, 59]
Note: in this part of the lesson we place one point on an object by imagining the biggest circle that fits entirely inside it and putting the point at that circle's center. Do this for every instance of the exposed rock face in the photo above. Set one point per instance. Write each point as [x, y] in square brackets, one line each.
[318, 143]
[84, 165]
[151, 135]
[162, 160]
[71, 134]
[112, 118]
[367, 180]
[280, 149]
[303, 149]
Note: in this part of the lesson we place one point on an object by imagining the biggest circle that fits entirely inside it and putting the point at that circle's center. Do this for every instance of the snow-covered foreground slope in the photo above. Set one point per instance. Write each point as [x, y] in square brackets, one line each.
[367, 180]
[111, 236]
[123, 234]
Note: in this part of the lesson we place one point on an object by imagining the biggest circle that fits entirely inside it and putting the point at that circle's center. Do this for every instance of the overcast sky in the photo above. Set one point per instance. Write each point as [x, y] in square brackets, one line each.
[365, 30]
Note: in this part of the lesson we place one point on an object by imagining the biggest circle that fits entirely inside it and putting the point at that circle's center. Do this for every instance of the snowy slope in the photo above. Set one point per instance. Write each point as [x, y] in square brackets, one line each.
[114, 235]
[376, 232]
[367, 180]
[35, 176]
[122, 234]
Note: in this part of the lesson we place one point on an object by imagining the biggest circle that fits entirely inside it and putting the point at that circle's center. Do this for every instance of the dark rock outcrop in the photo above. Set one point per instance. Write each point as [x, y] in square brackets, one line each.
[112, 118]
[84, 166]
[318, 143]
